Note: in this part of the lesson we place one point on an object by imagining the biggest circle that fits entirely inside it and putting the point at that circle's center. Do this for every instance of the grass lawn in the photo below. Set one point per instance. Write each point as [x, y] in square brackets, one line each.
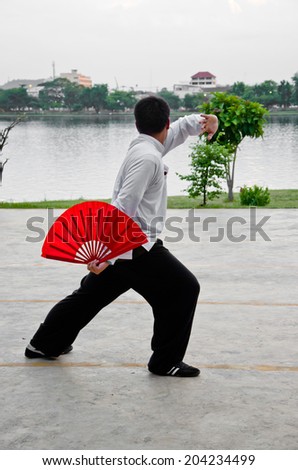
[280, 199]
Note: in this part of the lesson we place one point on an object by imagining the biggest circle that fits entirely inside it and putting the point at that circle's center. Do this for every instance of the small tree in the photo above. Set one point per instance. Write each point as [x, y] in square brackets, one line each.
[3, 142]
[237, 119]
[209, 164]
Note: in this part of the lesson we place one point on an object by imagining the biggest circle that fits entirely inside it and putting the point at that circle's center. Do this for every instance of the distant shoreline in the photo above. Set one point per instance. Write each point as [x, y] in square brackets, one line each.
[105, 114]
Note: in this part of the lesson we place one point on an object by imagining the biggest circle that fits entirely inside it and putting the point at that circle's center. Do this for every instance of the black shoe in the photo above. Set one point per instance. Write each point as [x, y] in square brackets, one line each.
[32, 353]
[180, 370]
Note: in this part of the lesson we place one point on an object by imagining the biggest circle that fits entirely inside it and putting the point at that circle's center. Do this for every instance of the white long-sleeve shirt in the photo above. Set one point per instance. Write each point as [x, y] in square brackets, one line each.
[140, 188]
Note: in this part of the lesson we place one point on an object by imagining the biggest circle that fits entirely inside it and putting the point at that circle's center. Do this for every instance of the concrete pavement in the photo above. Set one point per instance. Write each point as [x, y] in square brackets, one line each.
[101, 396]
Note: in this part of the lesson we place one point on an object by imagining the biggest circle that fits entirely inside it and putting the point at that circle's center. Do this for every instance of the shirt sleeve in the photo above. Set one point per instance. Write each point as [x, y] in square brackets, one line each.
[136, 180]
[181, 129]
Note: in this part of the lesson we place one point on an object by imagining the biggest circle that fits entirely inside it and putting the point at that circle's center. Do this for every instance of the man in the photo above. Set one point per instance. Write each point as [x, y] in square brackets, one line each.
[151, 270]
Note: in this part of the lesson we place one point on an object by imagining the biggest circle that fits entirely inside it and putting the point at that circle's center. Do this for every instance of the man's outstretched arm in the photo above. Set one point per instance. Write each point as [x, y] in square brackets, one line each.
[192, 125]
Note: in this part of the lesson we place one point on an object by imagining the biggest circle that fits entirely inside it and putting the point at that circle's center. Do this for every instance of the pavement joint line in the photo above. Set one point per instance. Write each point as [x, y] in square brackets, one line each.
[201, 302]
[103, 365]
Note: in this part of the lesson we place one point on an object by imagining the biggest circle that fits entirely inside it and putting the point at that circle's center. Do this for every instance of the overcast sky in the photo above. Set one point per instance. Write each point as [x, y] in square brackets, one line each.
[150, 43]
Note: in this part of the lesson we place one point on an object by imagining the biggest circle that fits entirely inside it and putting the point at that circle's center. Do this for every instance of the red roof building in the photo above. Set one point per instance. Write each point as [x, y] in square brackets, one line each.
[204, 79]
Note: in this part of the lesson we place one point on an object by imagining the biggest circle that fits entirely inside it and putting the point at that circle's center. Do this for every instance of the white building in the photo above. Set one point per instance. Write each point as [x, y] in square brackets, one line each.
[182, 89]
[77, 78]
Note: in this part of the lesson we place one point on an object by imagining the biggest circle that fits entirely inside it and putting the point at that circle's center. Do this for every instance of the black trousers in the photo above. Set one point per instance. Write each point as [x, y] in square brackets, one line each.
[168, 286]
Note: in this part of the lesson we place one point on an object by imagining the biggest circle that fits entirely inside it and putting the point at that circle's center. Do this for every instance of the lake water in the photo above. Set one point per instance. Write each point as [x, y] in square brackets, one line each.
[72, 157]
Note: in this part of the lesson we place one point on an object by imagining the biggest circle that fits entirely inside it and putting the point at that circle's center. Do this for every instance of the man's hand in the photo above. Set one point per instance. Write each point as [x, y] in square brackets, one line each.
[96, 267]
[209, 125]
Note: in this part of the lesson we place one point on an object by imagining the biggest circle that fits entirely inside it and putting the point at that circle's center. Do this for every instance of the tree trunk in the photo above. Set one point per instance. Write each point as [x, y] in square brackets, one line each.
[230, 179]
[230, 188]
[204, 196]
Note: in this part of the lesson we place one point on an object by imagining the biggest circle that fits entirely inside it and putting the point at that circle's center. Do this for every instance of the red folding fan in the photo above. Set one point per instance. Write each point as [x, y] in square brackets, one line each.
[89, 231]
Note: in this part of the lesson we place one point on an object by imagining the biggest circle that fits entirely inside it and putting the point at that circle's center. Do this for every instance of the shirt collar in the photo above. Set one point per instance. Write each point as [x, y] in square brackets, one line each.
[158, 145]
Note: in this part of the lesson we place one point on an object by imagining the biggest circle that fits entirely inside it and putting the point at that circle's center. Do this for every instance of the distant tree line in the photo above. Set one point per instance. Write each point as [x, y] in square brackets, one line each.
[62, 94]
[269, 93]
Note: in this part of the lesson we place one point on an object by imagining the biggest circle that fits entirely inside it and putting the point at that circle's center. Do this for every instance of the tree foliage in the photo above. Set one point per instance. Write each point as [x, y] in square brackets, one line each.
[191, 102]
[119, 100]
[52, 94]
[173, 100]
[98, 96]
[285, 92]
[237, 118]
[15, 99]
[269, 93]
[295, 90]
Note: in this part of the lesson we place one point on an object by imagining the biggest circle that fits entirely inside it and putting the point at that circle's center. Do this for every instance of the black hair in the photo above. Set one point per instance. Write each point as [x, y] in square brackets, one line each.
[151, 114]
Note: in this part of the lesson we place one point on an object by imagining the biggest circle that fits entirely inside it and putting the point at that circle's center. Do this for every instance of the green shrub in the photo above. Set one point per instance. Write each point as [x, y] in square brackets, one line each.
[254, 196]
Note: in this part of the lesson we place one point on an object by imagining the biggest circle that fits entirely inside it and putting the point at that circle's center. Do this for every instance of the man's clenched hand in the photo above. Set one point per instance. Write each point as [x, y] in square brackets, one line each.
[96, 267]
[209, 125]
